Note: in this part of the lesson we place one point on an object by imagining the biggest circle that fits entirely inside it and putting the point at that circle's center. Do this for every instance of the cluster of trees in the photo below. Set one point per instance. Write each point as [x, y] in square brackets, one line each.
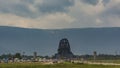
[20, 56]
[101, 57]
[86, 57]
[11, 56]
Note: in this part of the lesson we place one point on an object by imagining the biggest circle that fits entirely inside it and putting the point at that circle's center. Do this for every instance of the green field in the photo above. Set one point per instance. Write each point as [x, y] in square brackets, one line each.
[108, 61]
[61, 65]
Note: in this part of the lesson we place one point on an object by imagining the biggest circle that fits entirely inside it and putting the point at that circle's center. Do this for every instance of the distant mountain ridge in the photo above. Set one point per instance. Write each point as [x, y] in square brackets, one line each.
[46, 41]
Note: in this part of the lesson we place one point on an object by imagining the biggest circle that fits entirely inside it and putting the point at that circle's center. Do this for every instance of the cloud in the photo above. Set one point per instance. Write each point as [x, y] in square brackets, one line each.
[92, 2]
[112, 11]
[34, 8]
[16, 7]
[88, 8]
[105, 2]
[28, 1]
[111, 15]
[49, 6]
[59, 13]
[58, 20]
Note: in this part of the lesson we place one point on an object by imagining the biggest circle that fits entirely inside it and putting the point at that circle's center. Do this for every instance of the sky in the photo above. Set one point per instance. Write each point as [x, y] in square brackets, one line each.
[59, 14]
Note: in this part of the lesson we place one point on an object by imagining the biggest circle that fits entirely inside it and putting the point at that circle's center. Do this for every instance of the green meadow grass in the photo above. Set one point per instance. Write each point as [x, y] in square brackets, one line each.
[109, 61]
[61, 65]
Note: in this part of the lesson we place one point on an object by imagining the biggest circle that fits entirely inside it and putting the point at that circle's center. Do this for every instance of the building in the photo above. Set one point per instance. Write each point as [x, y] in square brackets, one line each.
[64, 50]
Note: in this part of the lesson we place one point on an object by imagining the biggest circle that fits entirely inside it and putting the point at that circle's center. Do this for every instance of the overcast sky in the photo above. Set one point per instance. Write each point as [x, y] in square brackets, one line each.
[52, 14]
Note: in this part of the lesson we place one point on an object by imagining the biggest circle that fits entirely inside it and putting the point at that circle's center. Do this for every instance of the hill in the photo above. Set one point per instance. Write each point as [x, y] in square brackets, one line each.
[46, 41]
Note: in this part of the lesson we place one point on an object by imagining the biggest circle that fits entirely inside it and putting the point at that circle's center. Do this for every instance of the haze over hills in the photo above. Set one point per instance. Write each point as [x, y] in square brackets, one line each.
[45, 42]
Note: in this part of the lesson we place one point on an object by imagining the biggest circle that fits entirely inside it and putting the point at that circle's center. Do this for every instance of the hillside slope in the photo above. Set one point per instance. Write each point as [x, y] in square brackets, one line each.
[45, 42]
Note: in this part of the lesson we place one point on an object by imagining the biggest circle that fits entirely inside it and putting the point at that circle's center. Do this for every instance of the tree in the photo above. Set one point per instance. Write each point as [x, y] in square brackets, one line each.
[18, 55]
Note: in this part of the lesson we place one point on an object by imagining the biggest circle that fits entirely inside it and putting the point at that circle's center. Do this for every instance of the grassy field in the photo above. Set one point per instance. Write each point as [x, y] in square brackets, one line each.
[108, 61]
[62, 65]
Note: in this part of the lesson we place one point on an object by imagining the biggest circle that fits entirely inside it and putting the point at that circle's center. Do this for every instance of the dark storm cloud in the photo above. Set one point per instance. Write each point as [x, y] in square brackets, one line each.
[92, 2]
[55, 5]
[22, 7]
[16, 8]
[112, 11]
[105, 2]
[28, 1]
[21, 10]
